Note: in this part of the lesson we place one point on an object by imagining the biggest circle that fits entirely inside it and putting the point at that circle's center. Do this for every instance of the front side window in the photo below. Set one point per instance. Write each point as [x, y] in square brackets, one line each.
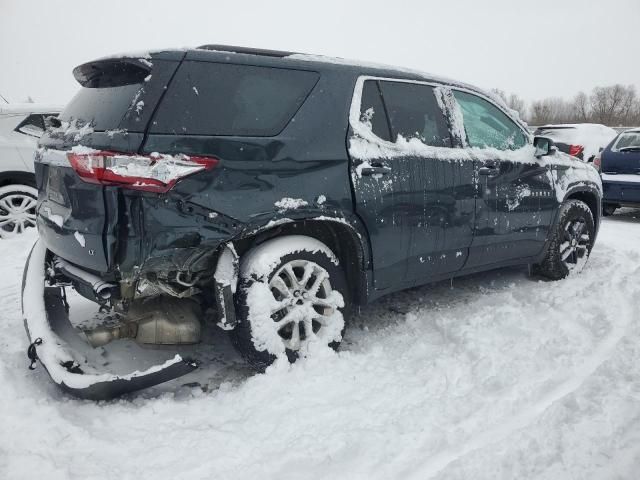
[414, 113]
[487, 126]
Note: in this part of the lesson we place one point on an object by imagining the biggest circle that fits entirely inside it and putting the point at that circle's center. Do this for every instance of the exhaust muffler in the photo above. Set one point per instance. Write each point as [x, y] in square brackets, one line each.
[156, 321]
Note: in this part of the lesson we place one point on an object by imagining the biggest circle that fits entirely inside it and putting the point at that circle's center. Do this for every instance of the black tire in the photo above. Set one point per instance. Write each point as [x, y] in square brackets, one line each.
[553, 266]
[296, 251]
[608, 210]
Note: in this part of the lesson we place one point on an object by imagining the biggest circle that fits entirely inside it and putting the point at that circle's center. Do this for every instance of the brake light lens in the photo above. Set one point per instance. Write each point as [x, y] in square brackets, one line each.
[575, 150]
[151, 173]
[597, 162]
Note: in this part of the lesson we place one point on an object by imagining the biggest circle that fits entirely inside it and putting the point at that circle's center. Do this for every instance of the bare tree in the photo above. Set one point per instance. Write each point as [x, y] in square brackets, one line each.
[612, 105]
[581, 107]
[550, 110]
[518, 104]
[512, 101]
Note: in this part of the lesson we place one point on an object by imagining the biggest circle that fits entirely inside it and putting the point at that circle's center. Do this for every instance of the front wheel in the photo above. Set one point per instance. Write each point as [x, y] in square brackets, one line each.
[571, 242]
[292, 296]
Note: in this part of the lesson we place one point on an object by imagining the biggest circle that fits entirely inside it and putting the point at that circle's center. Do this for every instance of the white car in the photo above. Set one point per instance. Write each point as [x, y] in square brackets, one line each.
[21, 125]
[580, 140]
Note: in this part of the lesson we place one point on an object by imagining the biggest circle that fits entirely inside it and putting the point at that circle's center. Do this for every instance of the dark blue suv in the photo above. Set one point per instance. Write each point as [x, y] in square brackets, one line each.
[269, 193]
[619, 163]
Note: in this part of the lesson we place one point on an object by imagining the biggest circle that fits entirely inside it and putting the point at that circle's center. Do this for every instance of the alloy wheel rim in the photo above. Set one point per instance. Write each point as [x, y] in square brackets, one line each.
[303, 292]
[17, 213]
[575, 243]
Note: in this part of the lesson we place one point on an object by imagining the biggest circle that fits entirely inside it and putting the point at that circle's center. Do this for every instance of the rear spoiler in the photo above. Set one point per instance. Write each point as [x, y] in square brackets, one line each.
[112, 72]
[124, 69]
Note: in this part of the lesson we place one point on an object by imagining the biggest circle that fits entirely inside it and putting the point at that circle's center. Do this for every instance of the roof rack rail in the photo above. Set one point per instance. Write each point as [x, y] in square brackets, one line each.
[247, 50]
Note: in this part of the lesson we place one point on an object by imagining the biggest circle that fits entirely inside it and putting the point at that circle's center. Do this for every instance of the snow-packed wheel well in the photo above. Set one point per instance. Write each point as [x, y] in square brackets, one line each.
[340, 238]
[590, 199]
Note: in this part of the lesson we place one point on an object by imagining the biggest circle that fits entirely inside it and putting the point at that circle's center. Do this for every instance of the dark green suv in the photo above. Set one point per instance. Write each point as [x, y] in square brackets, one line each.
[268, 193]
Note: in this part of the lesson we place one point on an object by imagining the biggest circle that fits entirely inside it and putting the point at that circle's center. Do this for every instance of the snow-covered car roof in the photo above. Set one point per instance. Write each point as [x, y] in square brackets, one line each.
[29, 108]
[595, 126]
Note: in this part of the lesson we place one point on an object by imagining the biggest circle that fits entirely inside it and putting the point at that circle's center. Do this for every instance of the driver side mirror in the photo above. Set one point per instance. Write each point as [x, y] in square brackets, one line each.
[544, 146]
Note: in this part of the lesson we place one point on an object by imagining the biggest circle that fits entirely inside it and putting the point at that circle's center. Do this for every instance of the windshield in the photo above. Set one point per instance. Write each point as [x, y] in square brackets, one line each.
[627, 140]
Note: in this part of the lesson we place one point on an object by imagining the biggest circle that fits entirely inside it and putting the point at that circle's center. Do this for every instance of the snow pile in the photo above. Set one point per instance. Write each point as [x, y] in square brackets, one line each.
[447, 103]
[73, 128]
[498, 375]
[80, 238]
[288, 203]
[522, 191]
[259, 262]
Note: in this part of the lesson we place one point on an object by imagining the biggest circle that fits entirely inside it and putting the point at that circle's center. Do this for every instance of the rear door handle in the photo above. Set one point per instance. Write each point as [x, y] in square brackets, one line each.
[375, 169]
[489, 170]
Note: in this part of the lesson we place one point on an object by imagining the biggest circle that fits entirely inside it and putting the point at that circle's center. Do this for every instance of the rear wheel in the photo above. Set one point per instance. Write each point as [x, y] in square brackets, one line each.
[17, 209]
[571, 242]
[291, 297]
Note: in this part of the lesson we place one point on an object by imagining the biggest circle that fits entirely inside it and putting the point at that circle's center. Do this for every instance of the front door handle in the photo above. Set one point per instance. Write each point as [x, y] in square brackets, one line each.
[489, 170]
[375, 169]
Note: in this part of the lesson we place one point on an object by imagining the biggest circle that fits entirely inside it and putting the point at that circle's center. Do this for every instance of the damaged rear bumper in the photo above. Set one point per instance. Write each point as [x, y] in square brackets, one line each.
[74, 365]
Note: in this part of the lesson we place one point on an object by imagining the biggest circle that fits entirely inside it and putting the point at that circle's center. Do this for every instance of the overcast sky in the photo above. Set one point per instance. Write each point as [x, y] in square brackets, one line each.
[537, 48]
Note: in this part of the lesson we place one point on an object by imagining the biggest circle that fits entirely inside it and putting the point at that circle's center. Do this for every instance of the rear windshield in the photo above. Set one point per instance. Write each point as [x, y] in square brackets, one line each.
[627, 140]
[112, 100]
[103, 108]
[228, 99]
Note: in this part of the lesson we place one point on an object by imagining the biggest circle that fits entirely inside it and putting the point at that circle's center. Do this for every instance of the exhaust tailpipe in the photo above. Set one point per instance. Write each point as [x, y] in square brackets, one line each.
[101, 289]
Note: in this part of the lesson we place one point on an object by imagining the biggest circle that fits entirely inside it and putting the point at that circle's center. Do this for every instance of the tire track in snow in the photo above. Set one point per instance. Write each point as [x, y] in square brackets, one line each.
[602, 353]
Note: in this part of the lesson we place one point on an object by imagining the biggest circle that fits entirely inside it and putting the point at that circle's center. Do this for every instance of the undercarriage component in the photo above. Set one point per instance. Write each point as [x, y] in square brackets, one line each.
[101, 290]
[158, 321]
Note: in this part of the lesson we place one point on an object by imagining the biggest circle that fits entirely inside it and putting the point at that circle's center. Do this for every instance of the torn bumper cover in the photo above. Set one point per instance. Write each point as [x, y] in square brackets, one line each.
[74, 365]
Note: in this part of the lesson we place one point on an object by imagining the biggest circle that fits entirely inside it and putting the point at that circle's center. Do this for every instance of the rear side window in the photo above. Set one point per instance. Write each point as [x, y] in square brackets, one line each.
[372, 111]
[414, 113]
[487, 126]
[226, 99]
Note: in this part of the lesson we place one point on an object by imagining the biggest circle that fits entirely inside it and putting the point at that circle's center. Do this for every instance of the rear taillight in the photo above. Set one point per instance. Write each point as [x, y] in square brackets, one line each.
[152, 173]
[597, 162]
[575, 150]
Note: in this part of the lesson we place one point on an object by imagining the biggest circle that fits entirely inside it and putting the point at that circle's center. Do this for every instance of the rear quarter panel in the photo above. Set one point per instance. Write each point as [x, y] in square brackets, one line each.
[260, 181]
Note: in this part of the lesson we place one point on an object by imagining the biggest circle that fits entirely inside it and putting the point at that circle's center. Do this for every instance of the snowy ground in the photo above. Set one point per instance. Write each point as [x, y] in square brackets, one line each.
[498, 376]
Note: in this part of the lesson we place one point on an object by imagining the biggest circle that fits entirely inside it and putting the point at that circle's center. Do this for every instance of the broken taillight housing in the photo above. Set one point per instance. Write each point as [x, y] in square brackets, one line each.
[151, 173]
